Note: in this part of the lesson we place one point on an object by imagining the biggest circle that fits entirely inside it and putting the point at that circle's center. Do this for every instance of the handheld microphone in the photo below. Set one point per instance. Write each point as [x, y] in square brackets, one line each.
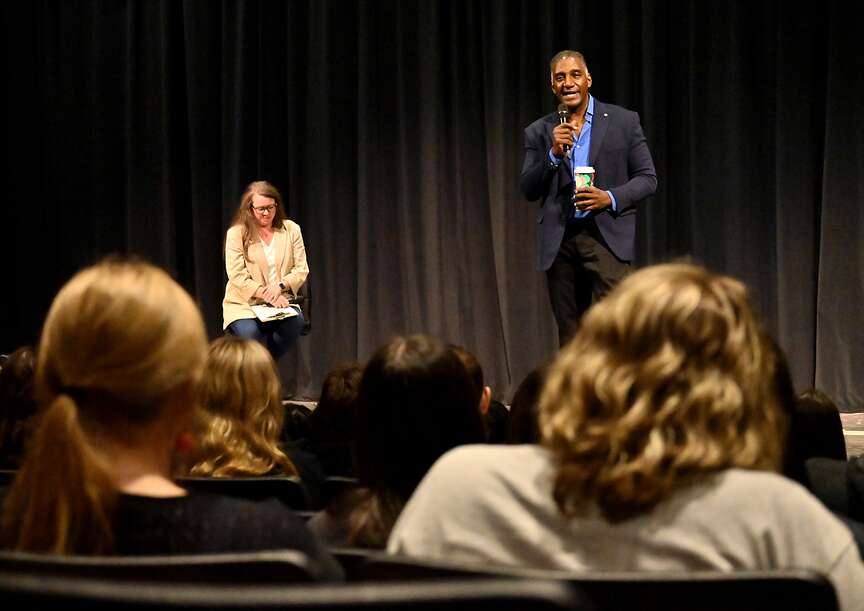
[563, 115]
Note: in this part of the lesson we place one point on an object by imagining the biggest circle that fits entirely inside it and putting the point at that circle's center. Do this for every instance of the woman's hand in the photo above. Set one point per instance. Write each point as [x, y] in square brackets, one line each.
[281, 302]
[272, 292]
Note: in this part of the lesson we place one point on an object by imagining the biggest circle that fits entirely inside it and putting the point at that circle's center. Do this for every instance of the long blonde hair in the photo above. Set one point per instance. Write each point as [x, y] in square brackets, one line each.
[245, 217]
[121, 339]
[668, 379]
[242, 411]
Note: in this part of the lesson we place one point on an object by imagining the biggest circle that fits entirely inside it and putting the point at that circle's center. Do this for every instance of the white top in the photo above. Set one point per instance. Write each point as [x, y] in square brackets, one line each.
[270, 254]
[487, 503]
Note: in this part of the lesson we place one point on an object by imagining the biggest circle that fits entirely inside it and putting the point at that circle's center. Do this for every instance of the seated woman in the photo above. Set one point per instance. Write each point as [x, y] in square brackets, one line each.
[416, 401]
[242, 413]
[266, 264]
[121, 352]
[661, 437]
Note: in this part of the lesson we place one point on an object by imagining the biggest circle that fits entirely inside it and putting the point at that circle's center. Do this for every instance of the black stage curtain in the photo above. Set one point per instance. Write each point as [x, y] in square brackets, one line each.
[394, 129]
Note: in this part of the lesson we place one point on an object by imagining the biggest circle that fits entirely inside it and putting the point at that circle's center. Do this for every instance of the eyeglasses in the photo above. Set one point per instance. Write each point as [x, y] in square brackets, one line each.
[268, 209]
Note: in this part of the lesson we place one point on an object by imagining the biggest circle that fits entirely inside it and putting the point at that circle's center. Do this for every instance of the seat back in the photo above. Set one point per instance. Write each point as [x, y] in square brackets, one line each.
[289, 490]
[712, 591]
[353, 561]
[303, 298]
[839, 484]
[39, 591]
[263, 567]
[646, 591]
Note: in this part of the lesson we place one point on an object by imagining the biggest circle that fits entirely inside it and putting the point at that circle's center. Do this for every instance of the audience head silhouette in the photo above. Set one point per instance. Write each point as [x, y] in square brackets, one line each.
[475, 371]
[524, 427]
[668, 378]
[121, 351]
[416, 401]
[242, 411]
[818, 413]
[17, 406]
[333, 424]
[334, 417]
[815, 431]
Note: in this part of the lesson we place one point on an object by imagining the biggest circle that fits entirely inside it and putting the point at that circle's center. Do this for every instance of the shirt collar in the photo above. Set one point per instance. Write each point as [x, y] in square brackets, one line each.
[589, 112]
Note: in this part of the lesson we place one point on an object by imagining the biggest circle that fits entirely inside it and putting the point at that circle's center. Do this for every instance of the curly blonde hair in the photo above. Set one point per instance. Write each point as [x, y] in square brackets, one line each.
[242, 412]
[668, 379]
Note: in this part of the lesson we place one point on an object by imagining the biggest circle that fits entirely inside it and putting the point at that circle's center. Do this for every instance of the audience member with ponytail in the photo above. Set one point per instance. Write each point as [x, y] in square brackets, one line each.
[121, 352]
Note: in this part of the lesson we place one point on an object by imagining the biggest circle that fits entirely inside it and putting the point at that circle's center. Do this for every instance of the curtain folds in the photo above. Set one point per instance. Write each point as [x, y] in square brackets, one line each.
[394, 131]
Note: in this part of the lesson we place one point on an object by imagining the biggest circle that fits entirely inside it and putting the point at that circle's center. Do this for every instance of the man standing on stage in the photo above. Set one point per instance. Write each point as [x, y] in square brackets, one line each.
[584, 236]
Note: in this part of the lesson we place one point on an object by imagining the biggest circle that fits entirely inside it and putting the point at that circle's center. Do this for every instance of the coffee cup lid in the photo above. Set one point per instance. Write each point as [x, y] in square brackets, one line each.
[584, 169]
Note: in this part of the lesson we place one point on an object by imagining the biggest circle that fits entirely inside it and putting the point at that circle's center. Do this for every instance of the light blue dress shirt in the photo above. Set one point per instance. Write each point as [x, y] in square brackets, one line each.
[578, 155]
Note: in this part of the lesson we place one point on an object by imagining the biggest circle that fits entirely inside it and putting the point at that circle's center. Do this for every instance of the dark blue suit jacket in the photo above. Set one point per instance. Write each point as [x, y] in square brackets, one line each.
[622, 164]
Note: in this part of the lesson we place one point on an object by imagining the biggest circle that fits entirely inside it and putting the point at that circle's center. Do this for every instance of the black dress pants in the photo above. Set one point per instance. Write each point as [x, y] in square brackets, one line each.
[584, 271]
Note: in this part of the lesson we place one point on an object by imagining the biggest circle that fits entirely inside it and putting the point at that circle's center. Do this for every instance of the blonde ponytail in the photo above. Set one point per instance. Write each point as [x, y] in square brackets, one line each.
[62, 499]
[121, 341]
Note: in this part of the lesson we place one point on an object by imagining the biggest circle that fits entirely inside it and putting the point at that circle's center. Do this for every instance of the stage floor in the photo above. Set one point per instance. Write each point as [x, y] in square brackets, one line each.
[853, 429]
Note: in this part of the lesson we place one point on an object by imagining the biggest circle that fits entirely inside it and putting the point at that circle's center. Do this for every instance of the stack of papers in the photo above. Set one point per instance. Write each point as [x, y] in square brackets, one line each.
[266, 313]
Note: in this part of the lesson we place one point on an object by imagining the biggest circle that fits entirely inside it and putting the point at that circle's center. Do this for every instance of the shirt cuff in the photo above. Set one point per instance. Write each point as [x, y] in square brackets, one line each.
[554, 160]
[614, 203]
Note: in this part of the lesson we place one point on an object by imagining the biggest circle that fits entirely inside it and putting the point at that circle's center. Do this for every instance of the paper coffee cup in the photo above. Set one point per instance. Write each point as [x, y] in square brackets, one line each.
[584, 177]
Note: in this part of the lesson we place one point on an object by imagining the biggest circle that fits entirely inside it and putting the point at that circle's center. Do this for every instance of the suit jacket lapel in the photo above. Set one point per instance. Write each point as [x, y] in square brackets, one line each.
[280, 240]
[599, 124]
[567, 169]
[256, 253]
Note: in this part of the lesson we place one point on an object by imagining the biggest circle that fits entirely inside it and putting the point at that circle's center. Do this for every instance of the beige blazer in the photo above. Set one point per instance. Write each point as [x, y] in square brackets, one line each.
[245, 276]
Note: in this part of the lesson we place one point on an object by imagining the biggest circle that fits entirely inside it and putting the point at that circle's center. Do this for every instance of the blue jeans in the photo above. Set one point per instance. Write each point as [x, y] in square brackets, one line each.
[277, 335]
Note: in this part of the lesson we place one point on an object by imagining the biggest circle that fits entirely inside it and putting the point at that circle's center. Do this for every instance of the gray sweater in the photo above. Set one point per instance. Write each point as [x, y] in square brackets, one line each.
[494, 504]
